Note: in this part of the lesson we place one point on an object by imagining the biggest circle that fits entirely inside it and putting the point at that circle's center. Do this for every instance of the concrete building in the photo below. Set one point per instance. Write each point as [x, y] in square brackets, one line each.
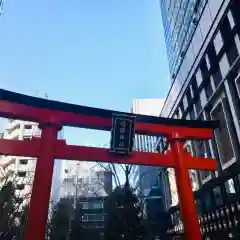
[203, 47]
[88, 187]
[82, 180]
[58, 175]
[145, 176]
[21, 169]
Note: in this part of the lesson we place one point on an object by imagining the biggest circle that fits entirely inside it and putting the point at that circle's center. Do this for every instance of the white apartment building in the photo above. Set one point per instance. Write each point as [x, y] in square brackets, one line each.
[83, 180]
[21, 169]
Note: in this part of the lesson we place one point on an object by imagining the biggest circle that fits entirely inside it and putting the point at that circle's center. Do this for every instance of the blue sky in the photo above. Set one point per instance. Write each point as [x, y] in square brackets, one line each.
[89, 52]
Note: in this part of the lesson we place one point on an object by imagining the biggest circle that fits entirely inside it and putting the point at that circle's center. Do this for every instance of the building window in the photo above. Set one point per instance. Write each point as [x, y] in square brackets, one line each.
[212, 56]
[194, 87]
[188, 117]
[192, 113]
[28, 126]
[203, 150]
[204, 69]
[198, 106]
[218, 42]
[84, 205]
[235, 11]
[203, 97]
[230, 188]
[222, 135]
[207, 61]
[224, 65]
[199, 77]
[237, 82]
[226, 31]
[231, 20]
[181, 110]
[97, 205]
[208, 201]
[23, 161]
[232, 53]
[191, 91]
[91, 189]
[26, 138]
[20, 186]
[93, 217]
[185, 102]
[208, 88]
[188, 94]
[237, 41]
[175, 116]
[217, 76]
[218, 196]
[22, 174]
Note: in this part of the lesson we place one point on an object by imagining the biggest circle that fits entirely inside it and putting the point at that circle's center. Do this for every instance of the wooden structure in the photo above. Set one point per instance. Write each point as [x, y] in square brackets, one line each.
[53, 115]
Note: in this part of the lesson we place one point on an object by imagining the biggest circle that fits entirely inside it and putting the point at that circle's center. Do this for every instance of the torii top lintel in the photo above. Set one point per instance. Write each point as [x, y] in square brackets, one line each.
[19, 106]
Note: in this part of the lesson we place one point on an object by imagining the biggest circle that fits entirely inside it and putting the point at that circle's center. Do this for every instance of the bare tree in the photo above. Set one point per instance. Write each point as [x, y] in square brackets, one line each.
[124, 174]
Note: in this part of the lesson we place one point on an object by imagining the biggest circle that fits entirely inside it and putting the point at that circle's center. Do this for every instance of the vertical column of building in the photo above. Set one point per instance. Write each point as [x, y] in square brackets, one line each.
[205, 71]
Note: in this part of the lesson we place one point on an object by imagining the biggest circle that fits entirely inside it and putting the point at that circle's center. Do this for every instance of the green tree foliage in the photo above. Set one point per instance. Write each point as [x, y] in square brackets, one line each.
[76, 228]
[61, 220]
[123, 215]
[6, 208]
[13, 213]
[22, 223]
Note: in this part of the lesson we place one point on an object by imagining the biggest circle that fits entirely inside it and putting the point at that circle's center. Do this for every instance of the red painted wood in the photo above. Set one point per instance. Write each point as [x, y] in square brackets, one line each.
[29, 148]
[185, 194]
[38, 211]
[103, 155]
[200, 163]
[19, 111]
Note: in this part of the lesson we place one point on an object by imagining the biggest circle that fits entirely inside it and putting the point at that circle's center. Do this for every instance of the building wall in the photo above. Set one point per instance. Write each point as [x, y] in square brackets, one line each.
[207, 84]
[21, 169]
[206, 27]
[179, 28]
[58, 173]
[86, 182]
[148, 106]
[24, 167]
[145, 176]
[88, 187]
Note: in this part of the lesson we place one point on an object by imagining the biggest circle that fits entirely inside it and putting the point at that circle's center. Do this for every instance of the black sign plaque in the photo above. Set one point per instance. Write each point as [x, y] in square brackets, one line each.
[122, 134]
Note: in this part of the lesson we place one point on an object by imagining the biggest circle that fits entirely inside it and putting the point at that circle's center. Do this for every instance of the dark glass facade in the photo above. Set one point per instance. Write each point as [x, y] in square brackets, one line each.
[180, 18]
[207, 87]
[192, 47]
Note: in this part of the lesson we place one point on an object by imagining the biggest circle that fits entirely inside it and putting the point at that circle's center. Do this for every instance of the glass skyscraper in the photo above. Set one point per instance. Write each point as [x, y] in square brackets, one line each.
[1, 6]
[180, 18]
[203, 46]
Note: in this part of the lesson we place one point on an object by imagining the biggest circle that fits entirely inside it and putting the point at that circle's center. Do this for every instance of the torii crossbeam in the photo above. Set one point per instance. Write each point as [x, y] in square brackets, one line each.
[53, 115]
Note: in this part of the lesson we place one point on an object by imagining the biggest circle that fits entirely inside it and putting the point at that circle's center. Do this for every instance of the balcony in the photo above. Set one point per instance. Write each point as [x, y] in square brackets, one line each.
[13, 134]
[13, 124]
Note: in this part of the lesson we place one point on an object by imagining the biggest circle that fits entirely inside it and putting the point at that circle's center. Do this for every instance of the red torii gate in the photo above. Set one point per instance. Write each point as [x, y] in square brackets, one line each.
[53, 115]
